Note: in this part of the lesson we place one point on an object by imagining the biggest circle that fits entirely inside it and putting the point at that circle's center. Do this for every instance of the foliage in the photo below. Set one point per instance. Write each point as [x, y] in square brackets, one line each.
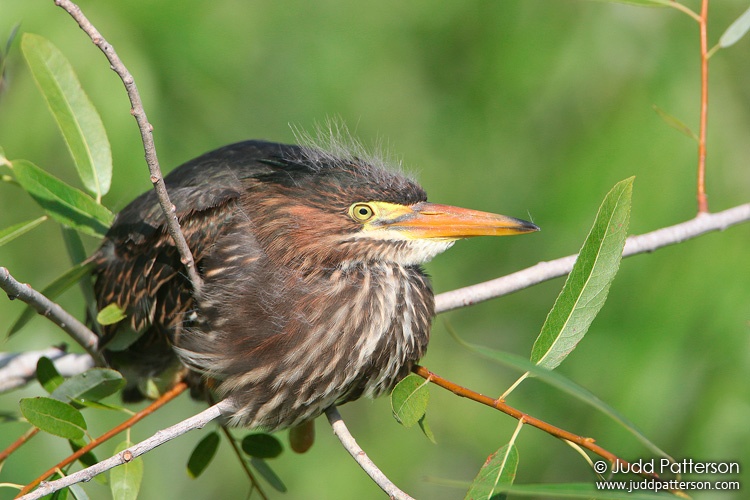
[475, 92]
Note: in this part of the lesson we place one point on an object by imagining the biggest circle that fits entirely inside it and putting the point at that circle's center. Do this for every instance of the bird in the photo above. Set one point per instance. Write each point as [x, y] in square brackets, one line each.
[313, 289]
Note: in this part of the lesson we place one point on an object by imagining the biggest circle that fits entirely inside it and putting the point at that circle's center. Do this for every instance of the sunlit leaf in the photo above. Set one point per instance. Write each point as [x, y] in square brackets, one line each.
[52, 291]
[203, 454]
[268, 474]
[93, 384]
[47, 374]
[498, 470]
[262, 446]
[76, 116]
[125, 480]
[586, 288]
[736, 30]
[11, 233]
[54, 416]
[110, 315]
[62, 202]
[409, 400]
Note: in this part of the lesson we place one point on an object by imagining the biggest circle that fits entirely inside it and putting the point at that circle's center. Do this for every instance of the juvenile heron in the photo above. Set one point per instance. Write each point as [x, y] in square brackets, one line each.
[313, 292]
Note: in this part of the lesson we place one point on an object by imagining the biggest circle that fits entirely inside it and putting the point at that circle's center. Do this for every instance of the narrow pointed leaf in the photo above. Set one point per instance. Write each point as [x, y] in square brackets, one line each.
[736, 30]
[52, 291]
[125, 480]
[262, 446]
[87, 459]
[93, 384]
[675, 123]
[268, 474]
[562, 383]
[426, 430]
[409, 400]
[202, 455]
[47, 374]
[62, 202]
[11, 233]
[586, 288]
[54, 416]
[78, 492]
[76, 116]
[498, 470]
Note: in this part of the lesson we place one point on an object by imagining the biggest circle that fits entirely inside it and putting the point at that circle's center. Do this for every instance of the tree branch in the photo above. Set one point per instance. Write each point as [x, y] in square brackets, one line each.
[52, 311]
[634, 245]
[146, 129]
[19, 368]
[195, 422]
[358, 454]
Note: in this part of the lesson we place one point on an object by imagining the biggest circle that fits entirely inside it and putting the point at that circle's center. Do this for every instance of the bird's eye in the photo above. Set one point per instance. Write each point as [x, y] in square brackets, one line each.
[361, 212]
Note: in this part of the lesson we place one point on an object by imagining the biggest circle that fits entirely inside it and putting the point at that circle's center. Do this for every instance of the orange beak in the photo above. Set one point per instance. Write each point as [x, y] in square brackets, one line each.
[431, 220]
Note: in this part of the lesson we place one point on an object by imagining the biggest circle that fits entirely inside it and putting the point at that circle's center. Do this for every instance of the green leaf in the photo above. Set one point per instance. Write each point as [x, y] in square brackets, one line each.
[202, 455]
[47, 375]
[77, 491]
[87, 459]
[499, 469]
[110, 315]
[586, 288]
[426, 430]
[675, 123]
[409, 400]
[54, 416]
[93, 384]
[62, 202]
[52, 291]
[76, 116]
[268, 474]
[11, 233]
[125, 480]
[262, 446]
[562, 383]
[736, 30]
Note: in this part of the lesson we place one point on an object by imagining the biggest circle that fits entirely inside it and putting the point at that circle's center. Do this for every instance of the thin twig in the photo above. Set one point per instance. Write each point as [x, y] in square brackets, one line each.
[164, 399]
[19, 368]
[52, 311]
[195, 422]
[499, 404]
[254, 484]
[634, 245]
[358, 454]
[701, 194]
[146, 129]
[25, 437]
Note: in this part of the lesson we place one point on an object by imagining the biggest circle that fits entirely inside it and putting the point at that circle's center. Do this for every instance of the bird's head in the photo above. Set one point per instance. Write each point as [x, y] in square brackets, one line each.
[318, 208]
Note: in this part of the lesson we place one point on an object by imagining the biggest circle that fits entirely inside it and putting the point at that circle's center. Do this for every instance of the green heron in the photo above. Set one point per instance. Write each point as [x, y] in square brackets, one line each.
[313, 292]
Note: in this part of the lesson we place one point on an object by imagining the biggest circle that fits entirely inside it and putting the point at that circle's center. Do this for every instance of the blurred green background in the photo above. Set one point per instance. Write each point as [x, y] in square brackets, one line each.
[530, 108]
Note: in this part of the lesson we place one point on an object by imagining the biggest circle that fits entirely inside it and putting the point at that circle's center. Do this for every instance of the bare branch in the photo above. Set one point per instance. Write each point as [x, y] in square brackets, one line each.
[19, 368]
[52, 311]
[195, 422]
[347, 440]
[146, 129]
[634, 245]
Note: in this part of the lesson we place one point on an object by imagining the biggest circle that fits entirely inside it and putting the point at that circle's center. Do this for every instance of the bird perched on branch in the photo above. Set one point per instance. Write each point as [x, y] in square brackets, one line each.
[313, 292]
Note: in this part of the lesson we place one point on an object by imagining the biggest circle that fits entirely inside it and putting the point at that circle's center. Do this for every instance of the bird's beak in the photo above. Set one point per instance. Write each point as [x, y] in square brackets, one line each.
[431, 220]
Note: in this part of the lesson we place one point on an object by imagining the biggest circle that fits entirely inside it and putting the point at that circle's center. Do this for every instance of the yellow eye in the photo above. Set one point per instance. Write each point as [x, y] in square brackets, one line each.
[361, 212]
